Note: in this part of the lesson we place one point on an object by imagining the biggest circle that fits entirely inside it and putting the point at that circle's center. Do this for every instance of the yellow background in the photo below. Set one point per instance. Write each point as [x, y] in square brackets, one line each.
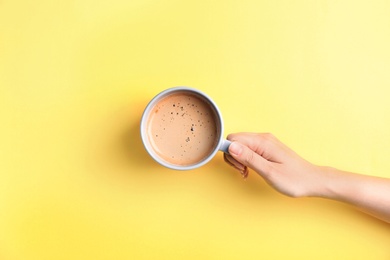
[75, 76]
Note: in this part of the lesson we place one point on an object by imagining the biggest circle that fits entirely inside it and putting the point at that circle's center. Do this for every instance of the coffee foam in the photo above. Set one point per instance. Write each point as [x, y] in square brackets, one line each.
[183, 128]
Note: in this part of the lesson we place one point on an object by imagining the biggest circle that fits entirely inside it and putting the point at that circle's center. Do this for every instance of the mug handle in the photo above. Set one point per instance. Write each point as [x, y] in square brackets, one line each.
[225, 146]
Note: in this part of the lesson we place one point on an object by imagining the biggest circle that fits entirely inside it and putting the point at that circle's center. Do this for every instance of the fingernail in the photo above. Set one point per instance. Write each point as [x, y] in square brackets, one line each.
[235, 148]
[245, 173]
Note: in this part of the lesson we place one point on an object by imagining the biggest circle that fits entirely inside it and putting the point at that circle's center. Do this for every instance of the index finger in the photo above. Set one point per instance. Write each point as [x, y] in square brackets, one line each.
[264, 144]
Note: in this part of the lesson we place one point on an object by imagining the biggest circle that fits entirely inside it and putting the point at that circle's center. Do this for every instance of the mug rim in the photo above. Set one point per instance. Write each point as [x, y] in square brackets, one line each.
[145, 137]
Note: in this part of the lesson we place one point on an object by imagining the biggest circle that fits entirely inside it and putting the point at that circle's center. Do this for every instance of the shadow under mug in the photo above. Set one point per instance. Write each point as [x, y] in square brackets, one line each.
[173, 107]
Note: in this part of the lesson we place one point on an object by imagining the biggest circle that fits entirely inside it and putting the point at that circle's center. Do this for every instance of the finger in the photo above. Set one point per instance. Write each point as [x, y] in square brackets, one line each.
[244, 171]
[233, 162]
[250, 158]
[266, 145]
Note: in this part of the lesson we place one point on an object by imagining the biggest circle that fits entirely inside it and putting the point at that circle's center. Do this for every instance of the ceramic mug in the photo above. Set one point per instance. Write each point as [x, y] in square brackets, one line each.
[182, 128]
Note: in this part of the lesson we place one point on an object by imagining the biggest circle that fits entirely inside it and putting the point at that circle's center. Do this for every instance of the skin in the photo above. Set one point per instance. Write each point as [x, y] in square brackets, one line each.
[293, 176]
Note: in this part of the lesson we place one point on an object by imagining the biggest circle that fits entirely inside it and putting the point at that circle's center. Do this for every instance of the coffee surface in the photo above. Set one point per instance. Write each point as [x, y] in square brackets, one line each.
[183, 128]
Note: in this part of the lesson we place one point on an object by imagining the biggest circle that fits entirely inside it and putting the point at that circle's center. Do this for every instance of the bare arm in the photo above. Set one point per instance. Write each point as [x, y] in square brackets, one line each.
[370, 194]
[293, 176]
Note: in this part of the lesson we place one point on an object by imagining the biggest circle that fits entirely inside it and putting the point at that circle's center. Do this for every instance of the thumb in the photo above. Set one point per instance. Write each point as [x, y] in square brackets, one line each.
[250, 158]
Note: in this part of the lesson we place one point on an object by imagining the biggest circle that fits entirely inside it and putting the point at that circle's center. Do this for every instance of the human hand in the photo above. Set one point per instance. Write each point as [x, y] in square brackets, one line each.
[293, 176]
[280, 166]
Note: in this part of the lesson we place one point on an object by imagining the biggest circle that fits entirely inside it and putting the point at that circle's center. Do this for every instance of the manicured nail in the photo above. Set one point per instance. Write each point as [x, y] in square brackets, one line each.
[235, 148]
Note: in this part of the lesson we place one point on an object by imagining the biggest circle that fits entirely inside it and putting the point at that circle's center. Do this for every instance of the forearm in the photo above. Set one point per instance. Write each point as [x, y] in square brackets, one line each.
[369, 194]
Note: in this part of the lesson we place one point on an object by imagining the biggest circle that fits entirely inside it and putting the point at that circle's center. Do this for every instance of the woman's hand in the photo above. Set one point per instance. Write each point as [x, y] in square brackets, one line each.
[293, 176]
[280, 166]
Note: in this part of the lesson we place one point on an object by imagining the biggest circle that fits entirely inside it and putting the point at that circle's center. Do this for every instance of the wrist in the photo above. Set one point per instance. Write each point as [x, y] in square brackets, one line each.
[326, 182]
[335, 184]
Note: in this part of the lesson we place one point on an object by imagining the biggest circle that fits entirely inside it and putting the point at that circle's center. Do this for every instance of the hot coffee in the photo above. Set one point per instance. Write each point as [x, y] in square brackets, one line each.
[183, 128]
